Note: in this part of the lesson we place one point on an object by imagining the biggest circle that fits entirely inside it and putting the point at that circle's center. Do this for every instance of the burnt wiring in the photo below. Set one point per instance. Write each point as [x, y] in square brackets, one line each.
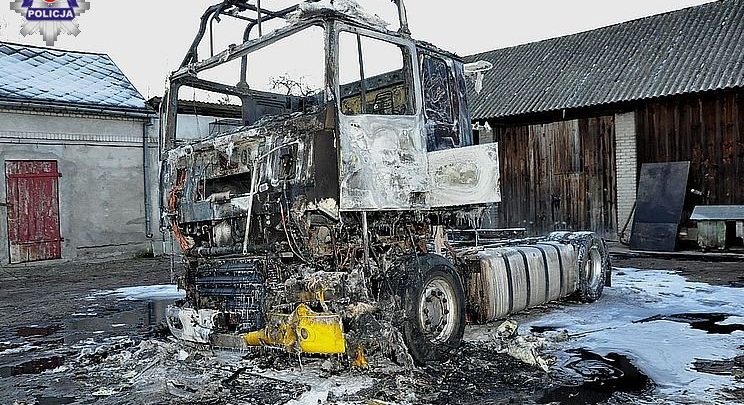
[289, 239]
[200, 176]
[350, 254]
[290, 236]
[173, 198]
[254, 189]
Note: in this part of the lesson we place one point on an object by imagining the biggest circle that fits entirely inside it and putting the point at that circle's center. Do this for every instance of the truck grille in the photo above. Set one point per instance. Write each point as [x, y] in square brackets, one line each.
[241, 289]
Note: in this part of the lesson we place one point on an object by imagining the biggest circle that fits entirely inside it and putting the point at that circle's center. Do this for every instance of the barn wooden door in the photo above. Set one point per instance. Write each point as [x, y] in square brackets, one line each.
[33, 210]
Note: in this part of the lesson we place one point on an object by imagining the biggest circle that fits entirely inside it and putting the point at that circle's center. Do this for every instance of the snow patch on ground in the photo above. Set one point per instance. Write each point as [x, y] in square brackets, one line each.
[144, 293]
[20, 349]
[663, 349]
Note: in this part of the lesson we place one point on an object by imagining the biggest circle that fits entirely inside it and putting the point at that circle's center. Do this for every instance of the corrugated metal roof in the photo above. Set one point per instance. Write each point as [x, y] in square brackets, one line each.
[691, 50]
[44, 75]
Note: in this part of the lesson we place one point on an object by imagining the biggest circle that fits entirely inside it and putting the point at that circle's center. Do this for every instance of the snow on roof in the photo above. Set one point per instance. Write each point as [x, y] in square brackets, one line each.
[44, 75]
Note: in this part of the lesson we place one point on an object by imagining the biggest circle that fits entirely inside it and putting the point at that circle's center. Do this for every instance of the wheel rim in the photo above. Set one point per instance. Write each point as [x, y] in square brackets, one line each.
[438, 310]
[593, 267]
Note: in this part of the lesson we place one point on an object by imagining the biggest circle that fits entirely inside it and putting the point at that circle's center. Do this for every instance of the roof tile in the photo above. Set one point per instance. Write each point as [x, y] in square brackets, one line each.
[44, 75]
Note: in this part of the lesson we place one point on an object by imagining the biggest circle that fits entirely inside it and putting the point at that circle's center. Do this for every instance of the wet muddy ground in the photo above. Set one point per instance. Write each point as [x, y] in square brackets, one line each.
[91, 334]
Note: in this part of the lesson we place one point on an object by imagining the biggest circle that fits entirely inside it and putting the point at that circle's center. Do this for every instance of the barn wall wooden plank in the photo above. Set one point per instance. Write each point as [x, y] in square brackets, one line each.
[739, 146]
[707, 130]
[559, 175]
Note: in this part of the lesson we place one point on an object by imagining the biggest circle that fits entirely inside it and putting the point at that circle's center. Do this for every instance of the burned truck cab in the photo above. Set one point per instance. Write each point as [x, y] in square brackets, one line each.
[319, 222]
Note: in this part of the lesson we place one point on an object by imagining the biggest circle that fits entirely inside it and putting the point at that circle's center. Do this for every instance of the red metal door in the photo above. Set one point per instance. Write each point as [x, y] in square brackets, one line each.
[33, 210]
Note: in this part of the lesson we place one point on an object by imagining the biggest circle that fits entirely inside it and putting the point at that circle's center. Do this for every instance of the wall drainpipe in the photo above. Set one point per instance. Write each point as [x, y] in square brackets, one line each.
[146, 181]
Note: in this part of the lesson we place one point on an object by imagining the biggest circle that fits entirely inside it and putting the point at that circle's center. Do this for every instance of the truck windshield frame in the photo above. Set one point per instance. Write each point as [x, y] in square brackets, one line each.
[188, 77]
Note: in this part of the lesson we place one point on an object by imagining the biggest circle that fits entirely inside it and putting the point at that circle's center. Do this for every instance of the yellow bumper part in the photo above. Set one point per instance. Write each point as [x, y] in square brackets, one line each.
[303, 330]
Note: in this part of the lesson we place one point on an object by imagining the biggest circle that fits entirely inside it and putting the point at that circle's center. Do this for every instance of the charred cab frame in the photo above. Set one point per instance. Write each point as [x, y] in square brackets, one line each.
[338, 222]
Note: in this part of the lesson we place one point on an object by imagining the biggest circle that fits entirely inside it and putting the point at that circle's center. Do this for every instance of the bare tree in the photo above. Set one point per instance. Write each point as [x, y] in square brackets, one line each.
[292, 86]
[224, 100]
[8, 29]
[3, 27]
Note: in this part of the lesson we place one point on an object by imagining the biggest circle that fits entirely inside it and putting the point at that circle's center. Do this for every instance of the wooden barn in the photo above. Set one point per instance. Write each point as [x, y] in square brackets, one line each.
[576, 116]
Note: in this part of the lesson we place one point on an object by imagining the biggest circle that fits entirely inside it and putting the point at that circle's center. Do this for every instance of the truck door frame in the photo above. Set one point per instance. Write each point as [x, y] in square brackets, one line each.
[383, 162]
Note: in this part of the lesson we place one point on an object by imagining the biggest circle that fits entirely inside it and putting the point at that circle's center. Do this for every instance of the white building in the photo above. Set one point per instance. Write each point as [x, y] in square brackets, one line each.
[80, 157]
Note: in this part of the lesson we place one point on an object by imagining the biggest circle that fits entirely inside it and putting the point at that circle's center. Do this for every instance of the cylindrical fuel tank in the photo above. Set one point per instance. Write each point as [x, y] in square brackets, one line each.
[511, 279]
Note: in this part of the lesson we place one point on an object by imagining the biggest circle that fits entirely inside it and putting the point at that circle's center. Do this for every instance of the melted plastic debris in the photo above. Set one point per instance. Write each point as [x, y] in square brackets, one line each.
[709, 322]
[528, 351]
[603, 376]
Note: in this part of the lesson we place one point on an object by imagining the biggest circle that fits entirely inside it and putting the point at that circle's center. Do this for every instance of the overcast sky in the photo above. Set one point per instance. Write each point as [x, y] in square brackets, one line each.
[148, 38]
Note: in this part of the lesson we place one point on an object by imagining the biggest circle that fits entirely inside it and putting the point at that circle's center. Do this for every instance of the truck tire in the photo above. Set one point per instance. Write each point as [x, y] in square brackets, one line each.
[593, 263]
[433, 300]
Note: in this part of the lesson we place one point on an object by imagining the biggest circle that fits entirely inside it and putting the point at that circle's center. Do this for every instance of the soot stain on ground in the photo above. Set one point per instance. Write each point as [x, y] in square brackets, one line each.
[708, 322]
[34, 366]
[603, 376]
[42, 400]
[476, 372]
[734, 366]
[38, 331]
[544, 328]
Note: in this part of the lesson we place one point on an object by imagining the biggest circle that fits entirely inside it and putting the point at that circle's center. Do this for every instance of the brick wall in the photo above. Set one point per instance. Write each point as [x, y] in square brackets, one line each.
[486, 136]
[626, 166]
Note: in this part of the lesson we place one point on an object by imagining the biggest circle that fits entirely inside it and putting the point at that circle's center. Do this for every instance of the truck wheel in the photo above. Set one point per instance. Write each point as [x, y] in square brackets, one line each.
[558, 236]
[434, 304]
[593, 262]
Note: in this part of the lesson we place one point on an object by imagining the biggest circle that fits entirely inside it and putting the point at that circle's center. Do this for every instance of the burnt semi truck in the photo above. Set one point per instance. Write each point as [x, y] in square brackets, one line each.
[341, 216]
